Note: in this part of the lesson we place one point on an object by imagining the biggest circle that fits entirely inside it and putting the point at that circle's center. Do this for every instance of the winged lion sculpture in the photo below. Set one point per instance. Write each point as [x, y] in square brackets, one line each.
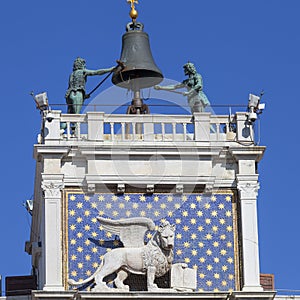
[153, 259]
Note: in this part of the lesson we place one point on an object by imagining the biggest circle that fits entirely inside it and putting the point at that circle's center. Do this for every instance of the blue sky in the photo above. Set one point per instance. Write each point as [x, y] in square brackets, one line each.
[238, 46]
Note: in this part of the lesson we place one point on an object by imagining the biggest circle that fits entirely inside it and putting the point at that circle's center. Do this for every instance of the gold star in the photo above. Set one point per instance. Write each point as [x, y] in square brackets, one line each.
[224, 268]
[87, 213]
[87, 227]
[217, 275]
[94, 220]
[228, 213]
[74, 273]
[101, 212]
[94, 205]
[184, 198]
[169, 198]
[214, 228]
[230, 260]
[223, 252]
[101, 198]
[207, 206]
[214, 213]
[208, 236]
[149, 235]
[149, 205]
[193, 206]
[114, 198]
[229, 228]
[142, 213]
[213, 198]
[187, 260]
[115, 213]
[201, 245]
[216, 244]
[127, 198]
[216, 260]
[135, 205]
[156, 213]
[142, 198]
[94, 250]
[178, 236]
[199, 213]
[178, 252]
[229, 244]
[221, 206]
[87, 257]
[223, 237]
[185, 213]
[121, 205]
[88, 273]
[178, 221]
[177, 205]
[79, 235]
[108, 205]
[200, 228]
[128, 213]
[230, 276]
[202, 260]
[79, 205]
[72, 213]
[80, 265]
[193, 221]
[198, 198]
[73, 242]
[193, 236]
[79, 249]
[209, 252]
[228, 198]
[186, 244]
[95, 265]
[209, 283]
[194, 252]
[73, 257]
[94, 234]
[222, 221]
[170, 214]
[72, 197]
[73, 227]
[86, 198]
[116, 243]
[207, 221]
[108, 234]
[163, 206]
[216, 290]
[201, 275]
[186, 228]
[79, 220]
[224, 283]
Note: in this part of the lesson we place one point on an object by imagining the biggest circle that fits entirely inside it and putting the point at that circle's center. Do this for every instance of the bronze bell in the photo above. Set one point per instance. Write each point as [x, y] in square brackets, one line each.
[140, 70]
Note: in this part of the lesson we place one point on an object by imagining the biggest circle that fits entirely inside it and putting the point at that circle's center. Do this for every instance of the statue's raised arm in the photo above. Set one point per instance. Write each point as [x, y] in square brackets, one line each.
[197, 100]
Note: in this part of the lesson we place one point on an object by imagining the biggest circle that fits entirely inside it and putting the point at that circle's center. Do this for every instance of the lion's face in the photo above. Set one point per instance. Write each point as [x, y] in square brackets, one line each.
[167, 237]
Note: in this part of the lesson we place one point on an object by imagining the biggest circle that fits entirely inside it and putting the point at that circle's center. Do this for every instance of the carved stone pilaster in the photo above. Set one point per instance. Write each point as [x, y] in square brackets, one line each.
[52, 189]
[248, 190]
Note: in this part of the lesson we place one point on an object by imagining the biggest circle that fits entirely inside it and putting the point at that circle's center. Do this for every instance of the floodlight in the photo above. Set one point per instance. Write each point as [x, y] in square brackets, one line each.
[41, 101]
[253, 105]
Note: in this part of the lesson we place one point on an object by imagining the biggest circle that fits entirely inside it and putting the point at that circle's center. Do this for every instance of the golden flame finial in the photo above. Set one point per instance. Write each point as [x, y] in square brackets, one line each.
[133, 13]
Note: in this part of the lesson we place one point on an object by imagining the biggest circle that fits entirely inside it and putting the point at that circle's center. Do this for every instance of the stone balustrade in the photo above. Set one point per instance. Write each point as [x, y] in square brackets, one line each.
[101, 127]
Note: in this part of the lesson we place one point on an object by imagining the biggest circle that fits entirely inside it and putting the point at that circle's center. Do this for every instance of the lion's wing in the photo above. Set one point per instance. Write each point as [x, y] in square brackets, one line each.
[131, 231]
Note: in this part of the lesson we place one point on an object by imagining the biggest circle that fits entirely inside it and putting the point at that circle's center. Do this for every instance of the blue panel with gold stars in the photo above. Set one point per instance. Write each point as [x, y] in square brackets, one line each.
[204, 232]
